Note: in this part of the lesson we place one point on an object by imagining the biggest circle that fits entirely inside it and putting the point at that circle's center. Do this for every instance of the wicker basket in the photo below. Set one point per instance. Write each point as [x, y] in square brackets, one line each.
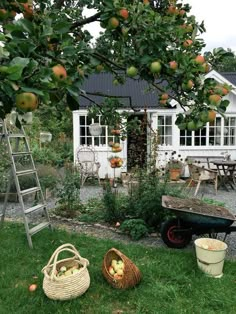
[68, 287]
[131, 276]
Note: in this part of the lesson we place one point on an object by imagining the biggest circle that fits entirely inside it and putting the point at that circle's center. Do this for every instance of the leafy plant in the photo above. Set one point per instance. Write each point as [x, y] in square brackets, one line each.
[146, 200]
[115, 205]
[136, 228]
[69, 192]
[213, 202]
[4, 165]
[48, 177]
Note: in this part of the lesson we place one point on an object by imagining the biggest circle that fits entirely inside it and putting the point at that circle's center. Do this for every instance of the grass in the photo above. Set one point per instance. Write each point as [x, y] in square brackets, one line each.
[171, 281]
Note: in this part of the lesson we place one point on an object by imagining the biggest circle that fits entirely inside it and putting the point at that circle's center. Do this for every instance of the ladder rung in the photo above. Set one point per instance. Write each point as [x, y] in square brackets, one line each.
[16, 135]
[29, 191]
[24, 172]
[21, 153]
[34, 208]
[39, 227]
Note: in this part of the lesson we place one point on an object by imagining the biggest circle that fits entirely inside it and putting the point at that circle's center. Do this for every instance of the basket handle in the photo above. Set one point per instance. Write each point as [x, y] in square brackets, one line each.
[65, 247]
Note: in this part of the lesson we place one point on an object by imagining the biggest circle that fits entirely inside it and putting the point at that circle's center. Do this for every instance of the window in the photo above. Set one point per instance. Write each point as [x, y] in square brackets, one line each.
[186, 138]
[87, 139]
[85, 136]
[229, 131]
[215, 132]
[221, 132]
[164, 127]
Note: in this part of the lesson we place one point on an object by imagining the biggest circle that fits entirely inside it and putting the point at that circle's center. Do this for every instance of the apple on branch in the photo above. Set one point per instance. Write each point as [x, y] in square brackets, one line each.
[26, 101]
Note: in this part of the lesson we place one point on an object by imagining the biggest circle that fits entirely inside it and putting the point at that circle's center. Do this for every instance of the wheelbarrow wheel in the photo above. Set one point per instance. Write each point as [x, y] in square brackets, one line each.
[173, 239]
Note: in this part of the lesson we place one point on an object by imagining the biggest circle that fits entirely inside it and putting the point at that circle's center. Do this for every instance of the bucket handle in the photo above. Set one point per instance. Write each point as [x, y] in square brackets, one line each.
[205, 263]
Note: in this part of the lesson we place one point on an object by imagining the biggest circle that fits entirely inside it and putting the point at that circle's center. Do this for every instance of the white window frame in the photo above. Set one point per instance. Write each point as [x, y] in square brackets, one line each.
[221, 135]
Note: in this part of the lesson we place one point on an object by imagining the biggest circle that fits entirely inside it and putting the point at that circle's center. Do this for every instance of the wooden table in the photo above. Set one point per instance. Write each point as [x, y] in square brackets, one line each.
[226, 171]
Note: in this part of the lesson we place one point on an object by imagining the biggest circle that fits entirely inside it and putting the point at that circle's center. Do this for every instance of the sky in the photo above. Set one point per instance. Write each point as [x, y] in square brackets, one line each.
[219, 19]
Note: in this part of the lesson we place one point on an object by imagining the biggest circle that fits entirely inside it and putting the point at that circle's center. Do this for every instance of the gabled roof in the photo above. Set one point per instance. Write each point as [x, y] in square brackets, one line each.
[224, 77]
[230, 76]
[135, 90]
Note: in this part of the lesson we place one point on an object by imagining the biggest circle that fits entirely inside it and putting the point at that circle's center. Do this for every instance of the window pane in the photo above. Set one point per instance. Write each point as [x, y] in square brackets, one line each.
[164, 128]
[160, 120]
[89, 120]
[185, 138]
[82, 131]
[168, 120]
[82, 120]
[229, 131]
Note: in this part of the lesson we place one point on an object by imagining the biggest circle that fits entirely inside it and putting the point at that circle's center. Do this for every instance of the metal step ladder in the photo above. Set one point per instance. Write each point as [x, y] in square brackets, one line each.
[19, 152]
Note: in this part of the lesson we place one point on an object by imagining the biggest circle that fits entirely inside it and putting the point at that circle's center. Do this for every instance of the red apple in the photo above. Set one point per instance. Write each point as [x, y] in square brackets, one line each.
[187, 43]
[215, 99]
[32, 287]
[124, 13]
[173, 65]
[199, 59]
[164, 96]
[113, 22]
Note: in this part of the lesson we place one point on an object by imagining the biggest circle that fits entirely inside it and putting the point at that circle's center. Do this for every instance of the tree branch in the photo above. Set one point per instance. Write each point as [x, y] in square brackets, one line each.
[114, 96]
[88, 20]
[94, 102]
[59, 4]
[102, 58]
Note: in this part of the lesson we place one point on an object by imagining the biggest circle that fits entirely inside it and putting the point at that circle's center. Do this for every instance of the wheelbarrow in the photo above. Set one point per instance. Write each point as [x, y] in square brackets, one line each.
[193, 217]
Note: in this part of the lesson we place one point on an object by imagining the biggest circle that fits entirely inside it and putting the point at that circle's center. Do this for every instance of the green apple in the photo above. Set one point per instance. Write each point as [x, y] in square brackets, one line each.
[132, 71]
[155, 67]
[26, 101]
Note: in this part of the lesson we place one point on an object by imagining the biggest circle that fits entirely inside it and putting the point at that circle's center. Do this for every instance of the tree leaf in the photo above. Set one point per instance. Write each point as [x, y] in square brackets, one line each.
[32, 90]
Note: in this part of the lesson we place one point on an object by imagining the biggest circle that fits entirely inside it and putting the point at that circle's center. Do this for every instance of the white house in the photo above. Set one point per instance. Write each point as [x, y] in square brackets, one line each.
[213, 140]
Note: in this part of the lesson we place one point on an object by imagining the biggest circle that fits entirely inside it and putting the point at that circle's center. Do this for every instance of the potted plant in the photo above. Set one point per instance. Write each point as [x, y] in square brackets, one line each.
[175, 166]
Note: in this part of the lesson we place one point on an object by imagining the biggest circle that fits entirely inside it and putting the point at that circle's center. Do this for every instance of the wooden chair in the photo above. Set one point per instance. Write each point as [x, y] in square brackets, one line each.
[88, 166]
[200, 174]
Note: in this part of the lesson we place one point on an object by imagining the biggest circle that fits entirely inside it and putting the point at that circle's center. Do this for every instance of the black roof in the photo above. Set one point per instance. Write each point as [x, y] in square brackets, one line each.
[136, 90]
[230, 76]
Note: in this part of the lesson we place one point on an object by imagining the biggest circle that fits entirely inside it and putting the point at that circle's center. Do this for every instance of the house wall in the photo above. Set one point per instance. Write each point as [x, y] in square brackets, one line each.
[164, 151]
[209, 150]
[103, 152]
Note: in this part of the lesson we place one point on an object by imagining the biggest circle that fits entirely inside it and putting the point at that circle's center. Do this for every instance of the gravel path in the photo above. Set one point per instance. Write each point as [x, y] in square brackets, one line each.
[100, 231]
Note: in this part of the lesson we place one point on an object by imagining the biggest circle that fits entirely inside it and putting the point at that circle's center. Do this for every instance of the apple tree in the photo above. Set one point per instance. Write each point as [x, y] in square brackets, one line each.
[45, 54]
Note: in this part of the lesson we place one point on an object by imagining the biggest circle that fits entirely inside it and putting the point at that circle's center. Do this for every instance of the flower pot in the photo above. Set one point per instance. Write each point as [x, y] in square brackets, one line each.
[45, 137]
[175, 174]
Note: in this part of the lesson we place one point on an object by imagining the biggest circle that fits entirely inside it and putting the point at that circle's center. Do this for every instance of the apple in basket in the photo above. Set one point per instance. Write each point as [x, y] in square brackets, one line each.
[116, 269]
[116, 276]
[111, 271]
[64, 271]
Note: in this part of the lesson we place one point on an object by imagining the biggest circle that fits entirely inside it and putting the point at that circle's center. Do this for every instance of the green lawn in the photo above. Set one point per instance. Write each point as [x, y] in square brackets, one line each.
[171, 281]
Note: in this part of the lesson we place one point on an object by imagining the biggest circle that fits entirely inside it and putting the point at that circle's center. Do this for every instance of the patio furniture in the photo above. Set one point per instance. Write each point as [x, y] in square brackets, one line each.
[200, 174]
[88, 166]
[226, 172]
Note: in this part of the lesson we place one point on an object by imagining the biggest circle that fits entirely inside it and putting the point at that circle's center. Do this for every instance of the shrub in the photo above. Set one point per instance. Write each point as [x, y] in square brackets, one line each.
[69, 192]
[115, 205]
[146, 200]
[4, 166]
[136, 228]
[48, 177]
